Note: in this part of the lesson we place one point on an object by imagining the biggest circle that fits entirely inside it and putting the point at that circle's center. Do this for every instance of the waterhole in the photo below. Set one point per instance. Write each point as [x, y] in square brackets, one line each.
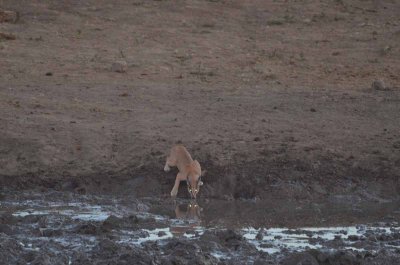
[71, 222]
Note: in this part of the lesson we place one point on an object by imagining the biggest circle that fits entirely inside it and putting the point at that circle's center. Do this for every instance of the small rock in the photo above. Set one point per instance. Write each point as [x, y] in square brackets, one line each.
[119, 67]
[267, 245]
[88, 229]
[161, 233]
[256, 139]
[385, 50]
[353, 238]
[133, 218]
[49, 74]
[313, 110]
[111, 222]
[260, 235]
[378, 85]
[143, 234]
[384, 237]
[8, 16]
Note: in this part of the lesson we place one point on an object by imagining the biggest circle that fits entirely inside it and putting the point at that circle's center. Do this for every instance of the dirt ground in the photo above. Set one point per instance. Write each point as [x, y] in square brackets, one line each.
[280, 101]
[277, 92]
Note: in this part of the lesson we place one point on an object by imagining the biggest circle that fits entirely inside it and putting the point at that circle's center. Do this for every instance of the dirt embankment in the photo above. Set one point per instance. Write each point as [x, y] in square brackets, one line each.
[274, 99]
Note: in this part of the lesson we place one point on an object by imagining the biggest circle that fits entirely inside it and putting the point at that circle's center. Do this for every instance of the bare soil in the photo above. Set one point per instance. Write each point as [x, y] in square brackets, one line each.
[277, 92]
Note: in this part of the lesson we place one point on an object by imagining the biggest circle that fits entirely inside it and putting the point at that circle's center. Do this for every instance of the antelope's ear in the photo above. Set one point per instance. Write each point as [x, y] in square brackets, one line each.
[203, 173]
[200, 183]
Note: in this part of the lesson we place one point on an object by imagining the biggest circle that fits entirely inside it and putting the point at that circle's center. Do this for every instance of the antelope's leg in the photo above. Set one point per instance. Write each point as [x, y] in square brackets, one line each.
[166, 167]
[174, 190]
[170, 162]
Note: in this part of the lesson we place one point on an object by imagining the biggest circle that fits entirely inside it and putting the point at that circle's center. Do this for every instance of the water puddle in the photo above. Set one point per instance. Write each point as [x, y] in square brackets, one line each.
[84, 222]
[83, 212]
[329, 238]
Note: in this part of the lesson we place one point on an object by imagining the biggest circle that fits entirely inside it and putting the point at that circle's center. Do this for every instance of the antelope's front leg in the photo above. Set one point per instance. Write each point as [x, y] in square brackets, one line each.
[166, 167]
[170, 162]
[174, 190]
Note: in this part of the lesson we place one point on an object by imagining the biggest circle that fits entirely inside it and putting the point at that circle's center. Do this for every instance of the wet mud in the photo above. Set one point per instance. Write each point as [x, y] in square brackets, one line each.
[68, 228]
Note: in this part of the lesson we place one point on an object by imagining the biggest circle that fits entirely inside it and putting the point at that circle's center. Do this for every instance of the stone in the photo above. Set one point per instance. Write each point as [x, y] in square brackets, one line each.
[260, 235]
[353, 238]
[119, 67]
[378, 85]
[161, 233]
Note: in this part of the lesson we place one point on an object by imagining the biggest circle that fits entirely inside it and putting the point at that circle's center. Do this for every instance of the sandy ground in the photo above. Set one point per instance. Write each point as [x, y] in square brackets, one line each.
[277, 92]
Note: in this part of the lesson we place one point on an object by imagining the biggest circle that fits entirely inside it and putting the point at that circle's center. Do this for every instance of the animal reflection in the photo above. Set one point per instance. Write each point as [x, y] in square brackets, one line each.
[189, 218]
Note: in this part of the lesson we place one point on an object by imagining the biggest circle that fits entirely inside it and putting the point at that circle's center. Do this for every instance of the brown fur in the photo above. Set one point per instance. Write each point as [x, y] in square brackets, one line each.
[189, 170]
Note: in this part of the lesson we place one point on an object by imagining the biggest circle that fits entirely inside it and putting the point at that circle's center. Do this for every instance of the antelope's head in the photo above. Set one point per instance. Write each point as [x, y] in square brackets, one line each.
[194, 183]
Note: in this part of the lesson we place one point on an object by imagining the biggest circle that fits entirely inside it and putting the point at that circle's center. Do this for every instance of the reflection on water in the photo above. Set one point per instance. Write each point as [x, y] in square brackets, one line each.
[189, 212]
[191, 221]
[187, 220]
[293, 214]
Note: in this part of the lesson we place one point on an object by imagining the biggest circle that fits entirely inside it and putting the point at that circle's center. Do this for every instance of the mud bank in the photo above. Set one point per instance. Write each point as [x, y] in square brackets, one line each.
[270, 178]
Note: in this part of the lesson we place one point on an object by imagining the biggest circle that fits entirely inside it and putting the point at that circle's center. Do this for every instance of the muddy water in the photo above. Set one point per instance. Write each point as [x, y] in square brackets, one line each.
[67, 223]
[277, 213]
[274, 227]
